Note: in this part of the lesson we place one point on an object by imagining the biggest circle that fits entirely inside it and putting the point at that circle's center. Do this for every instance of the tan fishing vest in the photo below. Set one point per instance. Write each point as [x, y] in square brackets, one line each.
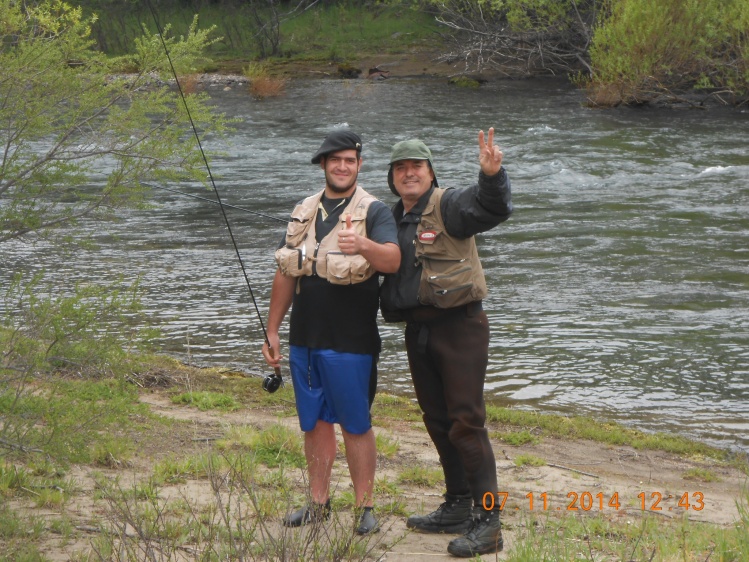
[451, 272]
[302, 255]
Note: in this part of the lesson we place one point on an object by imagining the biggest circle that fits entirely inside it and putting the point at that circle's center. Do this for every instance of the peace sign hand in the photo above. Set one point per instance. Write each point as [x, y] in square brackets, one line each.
[490, 156]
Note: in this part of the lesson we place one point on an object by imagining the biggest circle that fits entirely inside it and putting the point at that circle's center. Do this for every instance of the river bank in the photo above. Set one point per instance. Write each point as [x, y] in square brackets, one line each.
[612, 494]
[433, 64]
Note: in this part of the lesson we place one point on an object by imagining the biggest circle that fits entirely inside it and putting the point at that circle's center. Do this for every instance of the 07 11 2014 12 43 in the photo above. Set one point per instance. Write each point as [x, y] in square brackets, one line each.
[587, 501]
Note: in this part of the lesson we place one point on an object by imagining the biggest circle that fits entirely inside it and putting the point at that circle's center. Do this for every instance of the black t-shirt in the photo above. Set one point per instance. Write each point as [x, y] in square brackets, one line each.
[341, 317]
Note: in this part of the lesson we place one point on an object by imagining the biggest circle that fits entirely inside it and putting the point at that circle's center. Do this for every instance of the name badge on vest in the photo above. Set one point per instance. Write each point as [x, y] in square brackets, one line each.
[427, 236]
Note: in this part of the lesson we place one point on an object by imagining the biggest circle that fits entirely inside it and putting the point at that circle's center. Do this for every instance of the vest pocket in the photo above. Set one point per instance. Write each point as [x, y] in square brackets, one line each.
[445, 283]
[341, 269]
[293, 262]
[296, 231]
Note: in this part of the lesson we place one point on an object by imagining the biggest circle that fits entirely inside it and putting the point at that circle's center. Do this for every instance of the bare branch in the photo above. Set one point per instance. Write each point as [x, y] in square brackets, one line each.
[488, 41]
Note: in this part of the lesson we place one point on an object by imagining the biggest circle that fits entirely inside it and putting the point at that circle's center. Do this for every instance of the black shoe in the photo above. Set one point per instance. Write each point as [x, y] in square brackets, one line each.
[453, 516]
[367, 522]
[312, 513]
[483, 538]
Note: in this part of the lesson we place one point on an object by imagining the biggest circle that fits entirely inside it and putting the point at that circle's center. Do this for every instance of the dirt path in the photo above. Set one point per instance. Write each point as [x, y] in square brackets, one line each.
[578, 474]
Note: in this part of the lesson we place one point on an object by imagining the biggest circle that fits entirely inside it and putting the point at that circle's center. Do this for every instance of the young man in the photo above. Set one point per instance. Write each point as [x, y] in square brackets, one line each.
[336, 243]
[437, 291]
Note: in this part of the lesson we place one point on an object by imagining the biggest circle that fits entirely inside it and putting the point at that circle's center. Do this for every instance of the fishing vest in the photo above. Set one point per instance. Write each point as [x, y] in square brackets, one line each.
[451, 272]
[303, 255]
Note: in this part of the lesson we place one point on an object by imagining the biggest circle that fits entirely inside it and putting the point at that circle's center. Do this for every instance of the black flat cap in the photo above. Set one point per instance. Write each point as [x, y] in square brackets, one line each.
[335, 141]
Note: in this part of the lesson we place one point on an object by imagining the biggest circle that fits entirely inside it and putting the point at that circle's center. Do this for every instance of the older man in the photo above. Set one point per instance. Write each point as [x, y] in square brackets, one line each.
[438, 291]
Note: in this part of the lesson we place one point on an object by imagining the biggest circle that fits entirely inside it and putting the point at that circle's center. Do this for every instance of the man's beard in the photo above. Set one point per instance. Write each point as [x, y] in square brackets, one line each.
[337, 189]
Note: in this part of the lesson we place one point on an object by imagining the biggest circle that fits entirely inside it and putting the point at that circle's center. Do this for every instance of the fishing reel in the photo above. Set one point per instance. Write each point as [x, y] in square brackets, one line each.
[273, 382]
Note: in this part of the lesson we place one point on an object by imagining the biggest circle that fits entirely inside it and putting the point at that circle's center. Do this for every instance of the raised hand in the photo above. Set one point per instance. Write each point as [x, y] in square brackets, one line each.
[490, 156]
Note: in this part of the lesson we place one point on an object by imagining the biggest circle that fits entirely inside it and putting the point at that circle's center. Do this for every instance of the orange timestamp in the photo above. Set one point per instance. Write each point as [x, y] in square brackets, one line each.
[587, 501]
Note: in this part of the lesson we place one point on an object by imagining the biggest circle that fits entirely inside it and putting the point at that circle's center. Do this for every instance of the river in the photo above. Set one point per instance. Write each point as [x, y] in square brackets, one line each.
[618, 289]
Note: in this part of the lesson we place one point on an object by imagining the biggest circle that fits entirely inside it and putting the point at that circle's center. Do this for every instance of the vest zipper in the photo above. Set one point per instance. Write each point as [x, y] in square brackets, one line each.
[446, 291]
[300, 254]
[314, 258]
[453, 274]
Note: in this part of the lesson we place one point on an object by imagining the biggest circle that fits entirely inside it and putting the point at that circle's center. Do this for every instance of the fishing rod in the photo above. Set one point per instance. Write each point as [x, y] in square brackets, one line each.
[271, 383]
[213, 201]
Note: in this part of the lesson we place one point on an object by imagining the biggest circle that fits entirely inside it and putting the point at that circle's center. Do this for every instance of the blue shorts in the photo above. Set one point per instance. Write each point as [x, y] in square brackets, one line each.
[331, 386]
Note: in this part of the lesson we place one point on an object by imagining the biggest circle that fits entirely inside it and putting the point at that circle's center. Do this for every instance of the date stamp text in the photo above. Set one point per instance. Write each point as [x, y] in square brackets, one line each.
[589, 501]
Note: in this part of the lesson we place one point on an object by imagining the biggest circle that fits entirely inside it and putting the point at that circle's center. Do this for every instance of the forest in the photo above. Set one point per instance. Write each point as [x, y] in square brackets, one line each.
[620, 51]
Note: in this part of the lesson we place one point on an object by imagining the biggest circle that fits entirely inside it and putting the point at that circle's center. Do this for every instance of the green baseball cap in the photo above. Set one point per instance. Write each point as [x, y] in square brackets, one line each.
[413, 149]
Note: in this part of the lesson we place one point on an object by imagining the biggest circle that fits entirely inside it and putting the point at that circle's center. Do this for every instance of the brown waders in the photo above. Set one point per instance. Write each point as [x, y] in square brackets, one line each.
[448, 354]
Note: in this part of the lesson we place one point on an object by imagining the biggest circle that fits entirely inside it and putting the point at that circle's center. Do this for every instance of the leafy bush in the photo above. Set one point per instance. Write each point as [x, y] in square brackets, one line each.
[90, 331]
[645, 47]
[87, 334]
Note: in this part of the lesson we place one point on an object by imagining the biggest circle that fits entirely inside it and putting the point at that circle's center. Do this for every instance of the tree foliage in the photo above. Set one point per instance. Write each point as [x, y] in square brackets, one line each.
[77, 140]
[645, 48]
[246, 26]
[628, 51]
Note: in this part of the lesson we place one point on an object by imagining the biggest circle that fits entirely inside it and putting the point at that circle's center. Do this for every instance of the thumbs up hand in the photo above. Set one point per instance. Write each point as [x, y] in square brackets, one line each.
[349, 241]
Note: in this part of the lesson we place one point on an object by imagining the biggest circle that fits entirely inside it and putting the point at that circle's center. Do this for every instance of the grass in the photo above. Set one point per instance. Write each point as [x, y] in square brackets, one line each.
[517, 438]
[248, 477]
[274, 446]
[173, 470]
[71, 420]
[207, 401]
[262, 83]
[576, 537]
[386, 447]
[700, 475]
[529, 460]
[583, 427]
[111, 451]
[464, 82]
[420, 476]
[338, 32]
[388, 408]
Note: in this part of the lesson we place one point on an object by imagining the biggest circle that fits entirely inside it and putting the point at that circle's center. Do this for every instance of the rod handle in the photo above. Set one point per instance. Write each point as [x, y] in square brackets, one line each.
[272, 352]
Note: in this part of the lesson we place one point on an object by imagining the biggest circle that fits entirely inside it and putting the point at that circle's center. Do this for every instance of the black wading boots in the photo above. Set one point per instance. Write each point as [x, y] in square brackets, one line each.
[312, 513]
[483, 538]
[367, 522]
[453, 516]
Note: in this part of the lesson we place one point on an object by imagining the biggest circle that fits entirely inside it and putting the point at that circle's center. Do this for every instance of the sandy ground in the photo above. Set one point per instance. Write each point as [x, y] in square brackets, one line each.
[574, 469]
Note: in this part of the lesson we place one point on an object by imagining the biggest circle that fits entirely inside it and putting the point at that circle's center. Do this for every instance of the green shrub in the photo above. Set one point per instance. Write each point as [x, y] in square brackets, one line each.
[90, 330]
[644, 47]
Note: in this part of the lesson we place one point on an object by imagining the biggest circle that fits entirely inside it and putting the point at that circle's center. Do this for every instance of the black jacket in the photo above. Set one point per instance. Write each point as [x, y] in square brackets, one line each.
[466, 212]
